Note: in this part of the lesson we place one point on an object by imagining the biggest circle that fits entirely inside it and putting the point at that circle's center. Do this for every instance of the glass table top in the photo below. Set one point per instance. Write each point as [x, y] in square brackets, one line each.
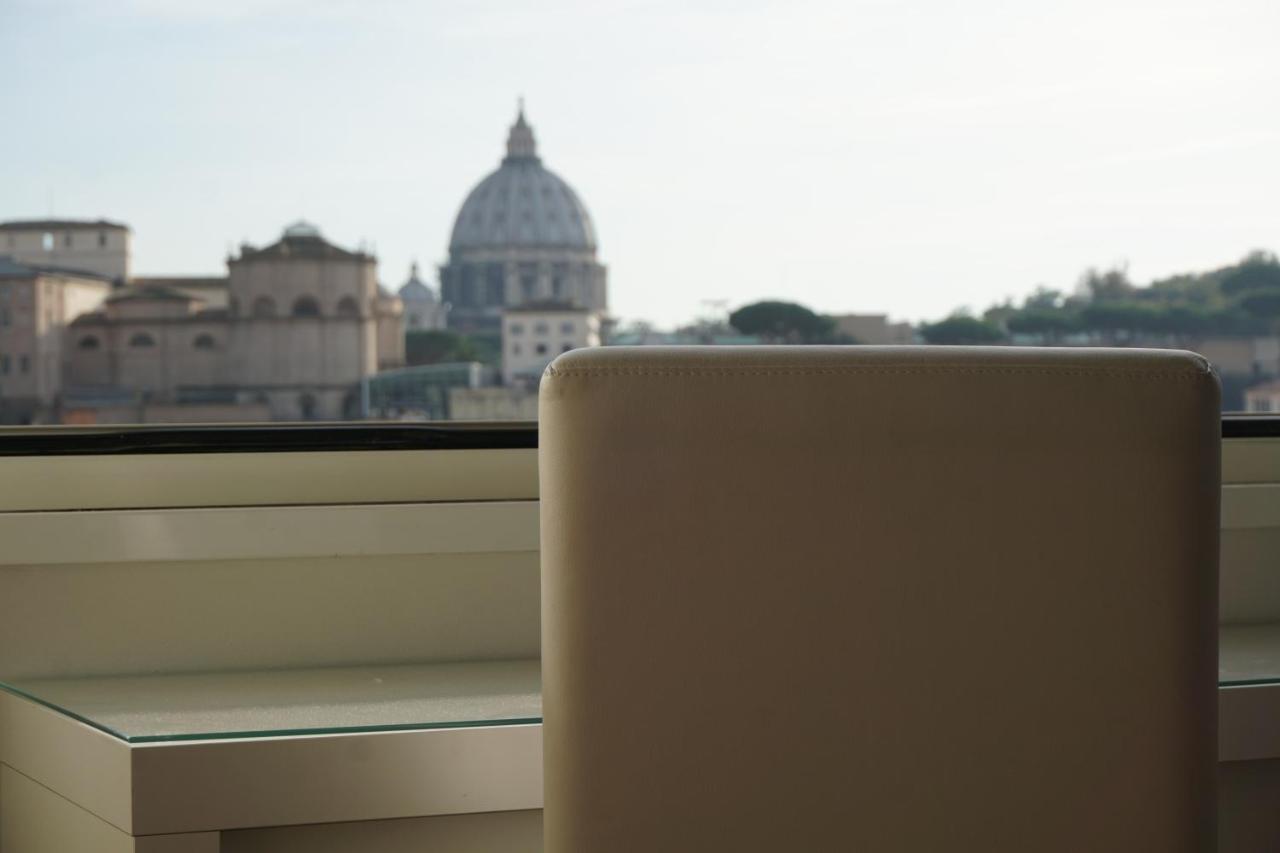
[332, 700]
[155, 708]
[1248, 654]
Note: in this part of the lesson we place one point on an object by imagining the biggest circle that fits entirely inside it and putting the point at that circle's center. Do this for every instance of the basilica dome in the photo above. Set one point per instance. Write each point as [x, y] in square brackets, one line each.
[522, 204]
[522, 237]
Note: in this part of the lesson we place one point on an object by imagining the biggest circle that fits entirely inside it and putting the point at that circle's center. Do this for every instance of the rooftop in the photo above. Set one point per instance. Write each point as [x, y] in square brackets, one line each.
[151, 292]
[60, 224]
[299, 240]
[9, 268]
[184, 281]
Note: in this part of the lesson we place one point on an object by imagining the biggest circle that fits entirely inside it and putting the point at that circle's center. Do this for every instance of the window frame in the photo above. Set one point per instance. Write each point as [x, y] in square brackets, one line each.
[333, 436]
[340, 436]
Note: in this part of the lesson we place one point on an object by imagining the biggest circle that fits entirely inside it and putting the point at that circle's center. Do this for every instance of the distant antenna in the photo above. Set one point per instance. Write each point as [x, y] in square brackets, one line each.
[51, 201]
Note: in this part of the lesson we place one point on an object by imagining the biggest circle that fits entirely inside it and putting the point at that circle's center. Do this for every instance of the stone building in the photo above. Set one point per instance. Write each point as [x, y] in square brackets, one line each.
[874, 329]
[522, 236]
[534, 334]
[1263, 398]
[97, 246]
[422, 310]
[36, 304]
[298, 325]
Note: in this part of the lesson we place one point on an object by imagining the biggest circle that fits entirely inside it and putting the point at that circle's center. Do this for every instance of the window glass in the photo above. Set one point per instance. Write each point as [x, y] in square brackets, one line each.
[306, 306]
[887, 174]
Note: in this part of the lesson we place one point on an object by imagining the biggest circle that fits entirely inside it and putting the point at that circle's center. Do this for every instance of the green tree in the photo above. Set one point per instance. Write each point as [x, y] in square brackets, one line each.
[1233, 322]
[961, 329]
[785, 322]
[437, 346]
[1119, 322]
[1263, 304]
[1258, 272]
[1111, 285]
[998, 315]
[1050, 324]
[1043, 299]
[1185, 323]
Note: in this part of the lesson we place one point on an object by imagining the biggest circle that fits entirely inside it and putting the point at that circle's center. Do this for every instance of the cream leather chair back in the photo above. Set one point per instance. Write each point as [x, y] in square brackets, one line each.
[879, 599]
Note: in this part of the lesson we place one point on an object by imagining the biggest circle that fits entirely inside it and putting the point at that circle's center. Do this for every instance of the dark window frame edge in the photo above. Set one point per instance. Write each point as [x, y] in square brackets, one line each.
[340, 437]
[281, 438]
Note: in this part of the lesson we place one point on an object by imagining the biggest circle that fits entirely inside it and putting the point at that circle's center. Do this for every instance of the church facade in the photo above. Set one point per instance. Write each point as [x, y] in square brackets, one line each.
[522, 237]
[288, 335]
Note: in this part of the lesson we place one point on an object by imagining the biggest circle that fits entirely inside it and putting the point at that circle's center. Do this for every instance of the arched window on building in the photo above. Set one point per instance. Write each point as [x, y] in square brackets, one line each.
[204, 341]
[306, 306]
[264, 306]
[88, 342]
[348, 307]
[142, 340]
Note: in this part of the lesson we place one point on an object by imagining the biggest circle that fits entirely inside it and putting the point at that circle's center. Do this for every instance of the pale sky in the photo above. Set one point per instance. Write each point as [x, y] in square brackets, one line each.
[906, 157]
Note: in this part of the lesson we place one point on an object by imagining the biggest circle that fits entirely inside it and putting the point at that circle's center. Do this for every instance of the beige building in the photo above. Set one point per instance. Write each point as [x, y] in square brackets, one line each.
[874, 329]
[1264, 398]
[1242, 356]
[493, 404]
[211, 290]
[535, 334]
[299, 324]
[96, 246]
[522, 236]
[36, 304]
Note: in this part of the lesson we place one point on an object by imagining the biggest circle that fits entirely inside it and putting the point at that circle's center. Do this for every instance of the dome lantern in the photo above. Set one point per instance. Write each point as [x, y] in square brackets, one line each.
[520, 142]
[301, 228]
